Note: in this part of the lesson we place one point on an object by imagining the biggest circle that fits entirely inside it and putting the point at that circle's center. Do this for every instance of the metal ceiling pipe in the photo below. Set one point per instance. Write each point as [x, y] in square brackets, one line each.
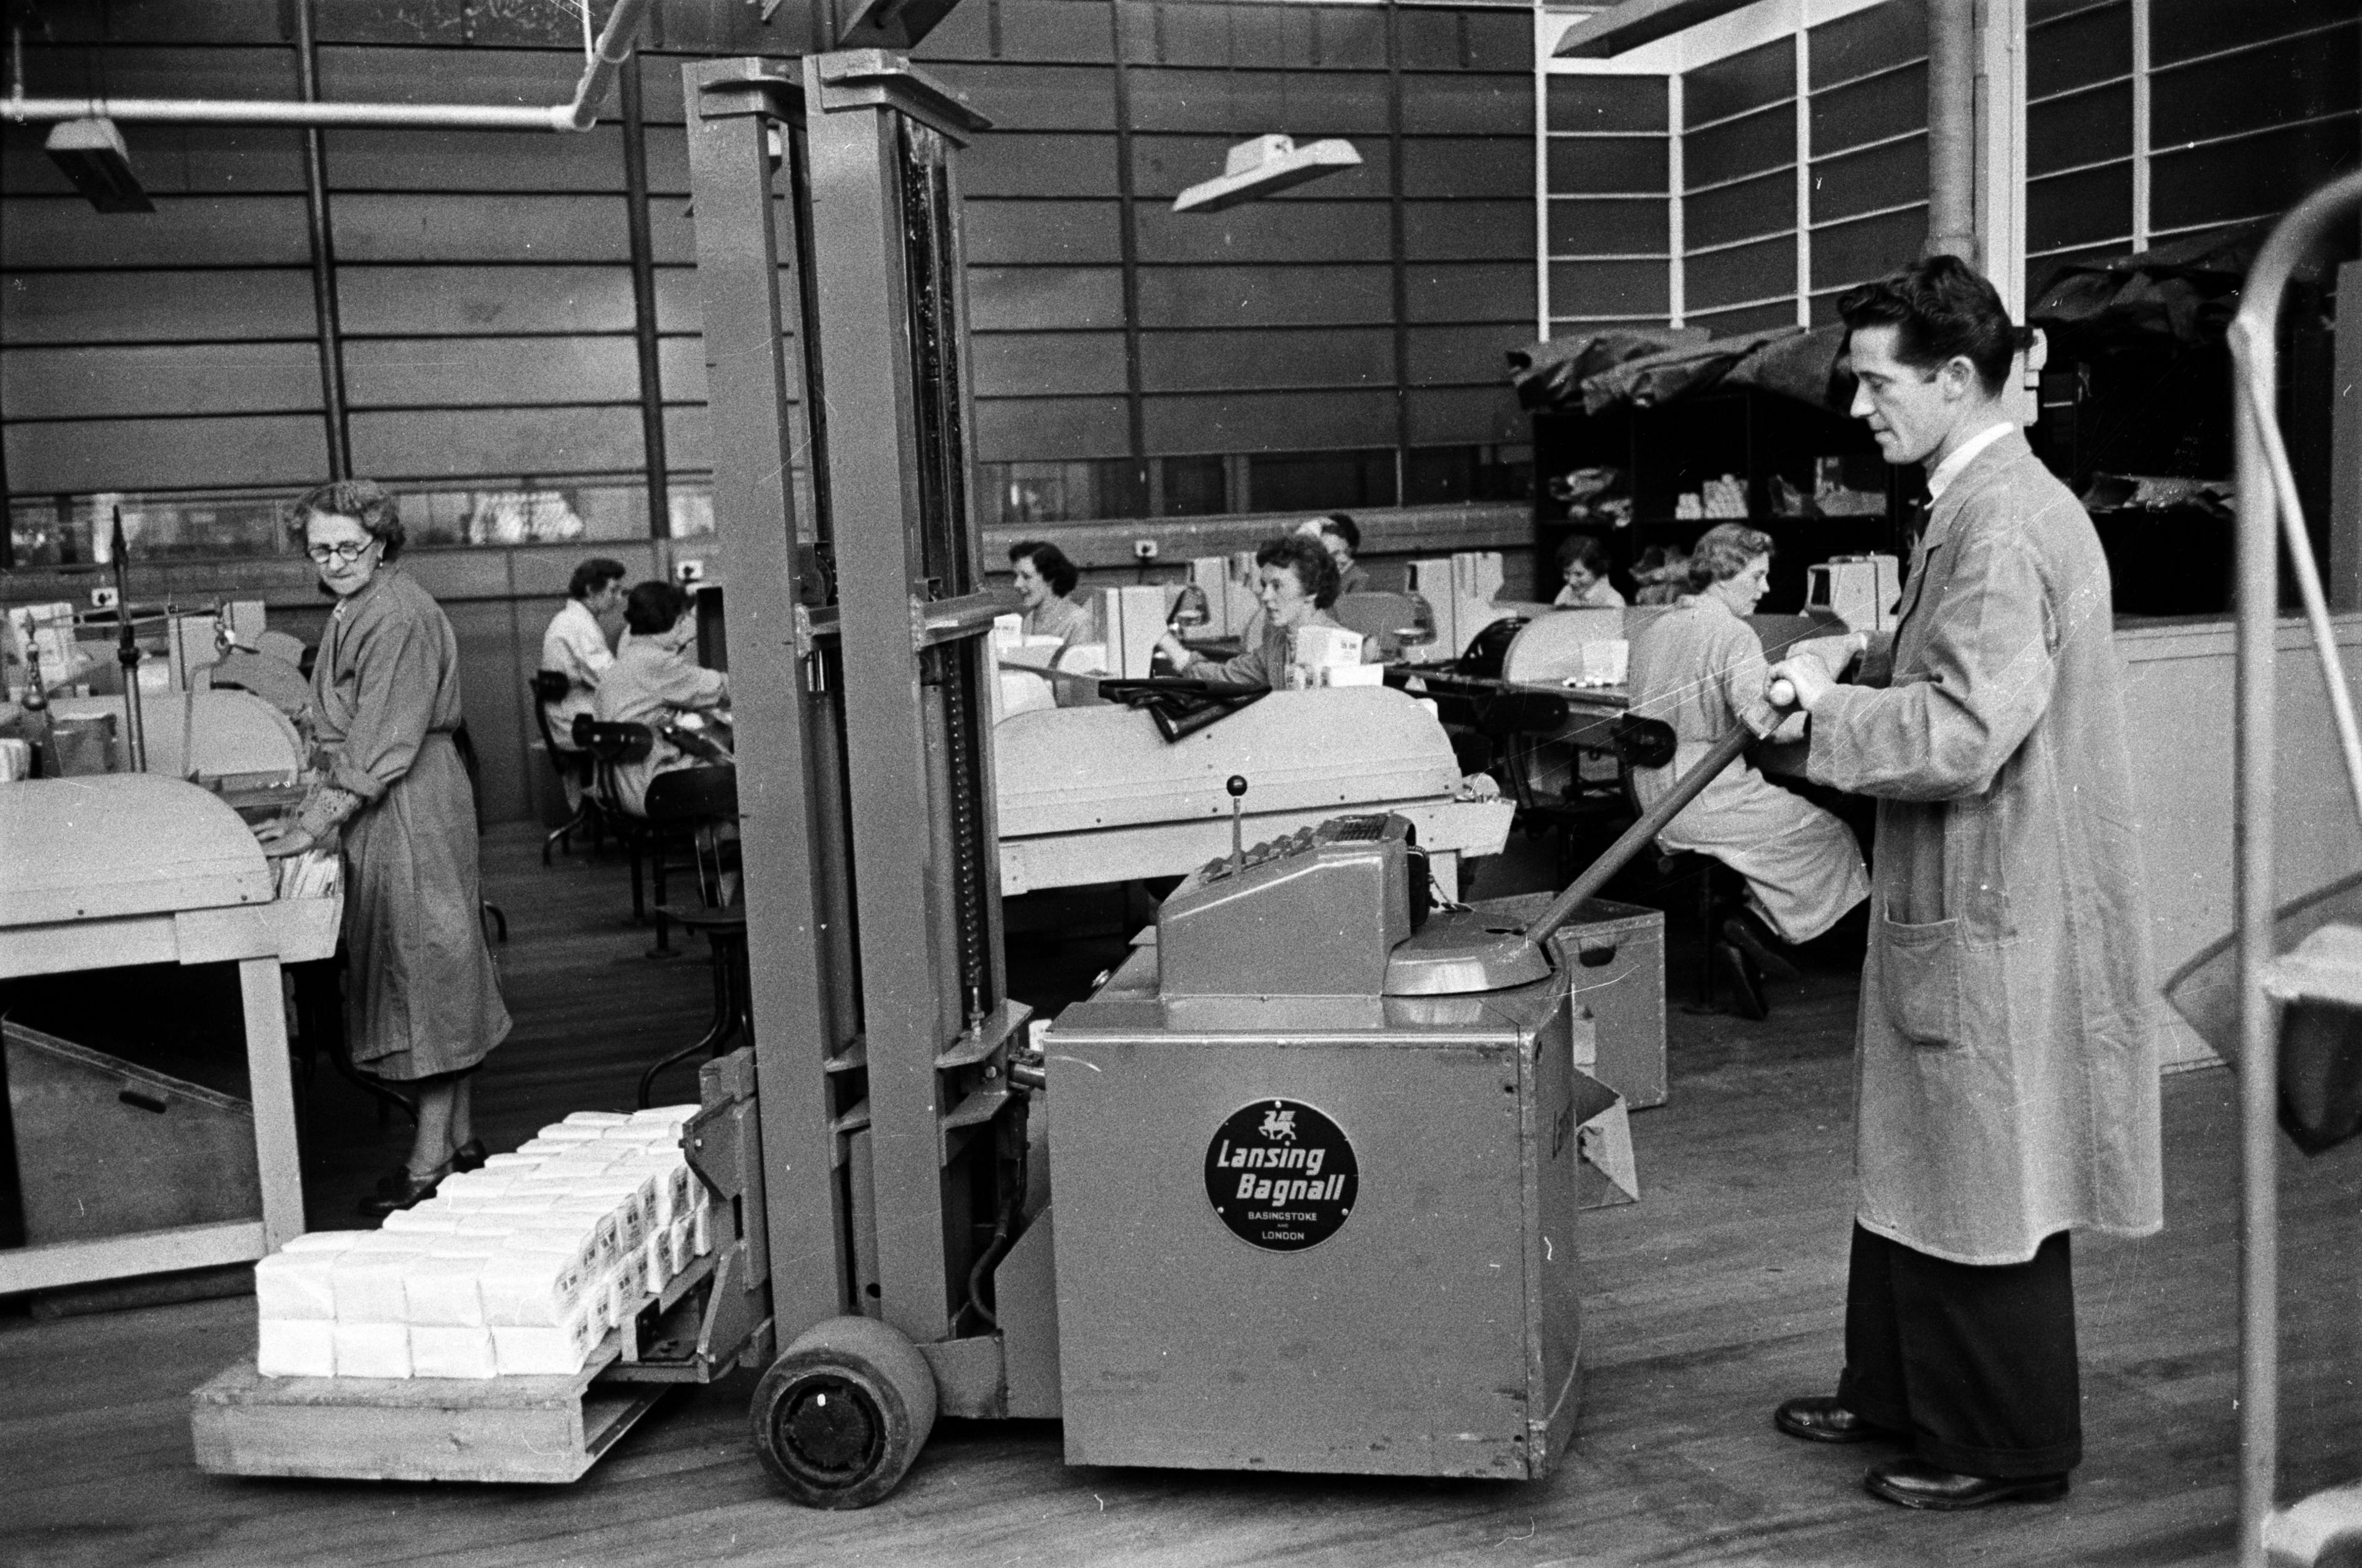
[1952, 129]
[614, 48]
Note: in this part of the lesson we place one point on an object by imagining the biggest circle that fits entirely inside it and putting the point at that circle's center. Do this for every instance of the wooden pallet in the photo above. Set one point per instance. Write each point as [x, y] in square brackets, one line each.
[424, 1429]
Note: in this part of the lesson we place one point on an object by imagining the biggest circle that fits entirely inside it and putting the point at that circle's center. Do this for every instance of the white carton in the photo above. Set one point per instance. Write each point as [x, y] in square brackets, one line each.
[593, 1218]
[519, 1161]
[564, 1132]
[292, 1286]
[531, 1289]
[423, 1220]
[595, 1118]
[437, 1351]
[292, 1348]
[368, 1284]
[671, 1116]
[549, 1350]
[441, 1292]
[325, 1240]
[372, 1349]
[701, 1229]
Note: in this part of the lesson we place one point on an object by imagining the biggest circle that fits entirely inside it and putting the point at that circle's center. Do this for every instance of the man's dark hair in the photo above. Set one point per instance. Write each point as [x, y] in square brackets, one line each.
[1050, 561]
[594, 575]
[1941, 307]
[1315, 567]
[653, 607]
[1345, 528]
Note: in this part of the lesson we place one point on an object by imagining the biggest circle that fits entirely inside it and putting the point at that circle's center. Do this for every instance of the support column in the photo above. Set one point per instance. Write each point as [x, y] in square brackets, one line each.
[331, 334]
[644, 301]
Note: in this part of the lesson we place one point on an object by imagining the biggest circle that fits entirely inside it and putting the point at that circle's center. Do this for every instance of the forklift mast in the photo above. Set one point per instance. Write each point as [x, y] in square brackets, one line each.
[828, 248]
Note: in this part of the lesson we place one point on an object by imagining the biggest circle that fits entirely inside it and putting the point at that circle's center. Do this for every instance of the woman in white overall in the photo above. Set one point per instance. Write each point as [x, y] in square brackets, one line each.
[1699, 668]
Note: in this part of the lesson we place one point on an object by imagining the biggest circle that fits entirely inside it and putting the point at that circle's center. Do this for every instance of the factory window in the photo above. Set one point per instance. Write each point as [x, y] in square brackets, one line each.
[1194, 487]
[73, 530]
[1016, 493]
[1435, 475]
[1316, 482]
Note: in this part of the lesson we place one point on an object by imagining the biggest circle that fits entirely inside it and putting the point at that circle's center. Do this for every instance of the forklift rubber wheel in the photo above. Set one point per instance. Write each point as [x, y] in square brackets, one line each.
[842, 1412]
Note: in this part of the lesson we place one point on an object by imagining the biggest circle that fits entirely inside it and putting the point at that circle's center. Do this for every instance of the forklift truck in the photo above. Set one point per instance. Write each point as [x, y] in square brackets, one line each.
[1314, 1137]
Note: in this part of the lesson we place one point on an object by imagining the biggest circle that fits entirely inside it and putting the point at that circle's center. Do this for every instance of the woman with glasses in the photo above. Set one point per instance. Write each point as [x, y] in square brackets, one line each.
[423, 1005]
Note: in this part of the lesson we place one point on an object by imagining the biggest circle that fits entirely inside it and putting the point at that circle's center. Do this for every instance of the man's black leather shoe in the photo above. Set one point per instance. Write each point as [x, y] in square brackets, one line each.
[1818, 1418]
[1915, 1484]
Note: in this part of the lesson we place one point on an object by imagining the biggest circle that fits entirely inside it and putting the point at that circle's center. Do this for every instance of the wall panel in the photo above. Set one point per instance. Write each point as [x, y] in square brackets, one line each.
[416, 444]
[165, 454]
[1471, 416]
[409, 301]
[184, 307]
[1599, 225]
[1742, 211]
[1266, 231]
[1465, 356]
[1038, 164]
[1494, 291]
[1609, 288]
[184, 379]
[184, 160]
[1265, 296]
[1037, 364]
[375, 228]
[226, 231]
[1867, 247]
[1015, 298]
[1268, 421]
[1466, 230]
[443, 372]
[1328, 357]
[1046, 428]
[443, 161]
[1764, 269]
[1064, 234]
[1468, 166]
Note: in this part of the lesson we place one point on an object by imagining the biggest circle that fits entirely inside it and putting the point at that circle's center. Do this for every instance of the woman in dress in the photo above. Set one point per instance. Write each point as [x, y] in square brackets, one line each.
[1700, 667]
[423, 1004]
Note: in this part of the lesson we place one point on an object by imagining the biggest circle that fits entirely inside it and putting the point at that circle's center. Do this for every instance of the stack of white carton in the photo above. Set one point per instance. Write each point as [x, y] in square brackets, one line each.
[519, 1268]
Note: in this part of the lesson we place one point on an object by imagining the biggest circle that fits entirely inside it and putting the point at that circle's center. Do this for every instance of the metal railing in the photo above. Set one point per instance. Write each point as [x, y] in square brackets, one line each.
[2269, 511]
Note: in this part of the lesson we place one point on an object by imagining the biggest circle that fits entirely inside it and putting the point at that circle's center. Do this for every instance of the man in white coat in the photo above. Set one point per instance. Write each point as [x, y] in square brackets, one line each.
[2005, 1087]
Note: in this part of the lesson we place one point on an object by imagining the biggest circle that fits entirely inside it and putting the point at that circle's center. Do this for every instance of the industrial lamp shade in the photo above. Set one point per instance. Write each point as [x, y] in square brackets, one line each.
[92, 156]
[1264, 167]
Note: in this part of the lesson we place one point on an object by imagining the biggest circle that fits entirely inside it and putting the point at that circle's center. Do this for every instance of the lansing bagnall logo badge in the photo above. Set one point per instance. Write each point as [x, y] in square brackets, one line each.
[1281, 1175]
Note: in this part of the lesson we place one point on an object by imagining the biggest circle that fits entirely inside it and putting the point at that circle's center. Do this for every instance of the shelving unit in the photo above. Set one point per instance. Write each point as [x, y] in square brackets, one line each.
[1676, 447]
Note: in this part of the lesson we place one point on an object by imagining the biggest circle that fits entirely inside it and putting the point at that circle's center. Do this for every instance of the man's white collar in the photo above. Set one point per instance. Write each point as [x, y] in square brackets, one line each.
[1940, 479]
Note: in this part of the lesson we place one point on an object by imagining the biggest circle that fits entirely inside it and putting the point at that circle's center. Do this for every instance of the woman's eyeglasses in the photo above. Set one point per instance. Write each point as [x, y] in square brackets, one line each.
[348, 553]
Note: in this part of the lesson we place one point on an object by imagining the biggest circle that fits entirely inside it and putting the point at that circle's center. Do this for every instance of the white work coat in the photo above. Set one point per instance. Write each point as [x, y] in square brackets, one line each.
[2006, 1076]
[1700, 668]
[576, 646]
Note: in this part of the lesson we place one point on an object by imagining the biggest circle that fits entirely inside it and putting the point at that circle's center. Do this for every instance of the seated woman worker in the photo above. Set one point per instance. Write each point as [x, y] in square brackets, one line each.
[1582, 568]
[655, 683]
[1044, 578]
[1700, 667]
[1295, 583]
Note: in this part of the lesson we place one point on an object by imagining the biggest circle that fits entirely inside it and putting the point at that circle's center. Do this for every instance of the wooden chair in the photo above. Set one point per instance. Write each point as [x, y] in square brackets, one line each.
[572, 767]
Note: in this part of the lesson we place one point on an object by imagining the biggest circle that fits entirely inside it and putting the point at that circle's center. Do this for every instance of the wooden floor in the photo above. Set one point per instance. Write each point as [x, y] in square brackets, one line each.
[1706, 1304]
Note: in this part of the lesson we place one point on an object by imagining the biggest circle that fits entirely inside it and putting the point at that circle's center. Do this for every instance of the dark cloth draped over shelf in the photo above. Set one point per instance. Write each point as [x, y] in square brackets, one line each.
[1612, 370]
[2183, 293]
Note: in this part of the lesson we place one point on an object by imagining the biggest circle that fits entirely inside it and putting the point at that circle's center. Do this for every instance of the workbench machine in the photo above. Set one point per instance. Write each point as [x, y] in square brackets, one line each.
[1315, 1140]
